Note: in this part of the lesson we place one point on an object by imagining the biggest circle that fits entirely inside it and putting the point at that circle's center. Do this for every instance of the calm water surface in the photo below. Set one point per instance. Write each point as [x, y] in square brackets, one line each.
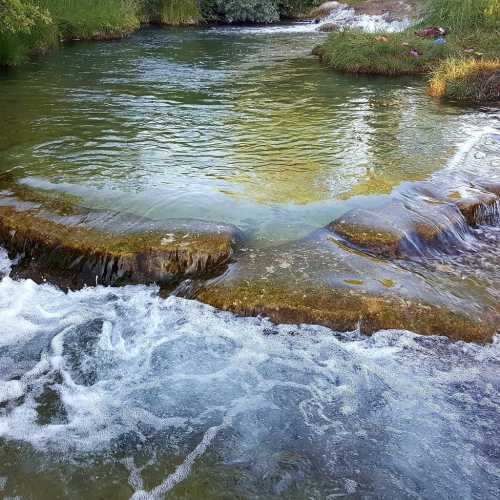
[233, 125]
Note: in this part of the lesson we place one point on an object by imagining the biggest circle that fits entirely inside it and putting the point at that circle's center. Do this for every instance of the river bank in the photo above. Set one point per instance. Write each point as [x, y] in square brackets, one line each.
[455, 41]
[33, 27]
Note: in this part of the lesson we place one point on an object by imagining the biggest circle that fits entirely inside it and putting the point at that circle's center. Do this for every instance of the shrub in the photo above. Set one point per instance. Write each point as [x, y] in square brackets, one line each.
[24, 28]
[466, 79]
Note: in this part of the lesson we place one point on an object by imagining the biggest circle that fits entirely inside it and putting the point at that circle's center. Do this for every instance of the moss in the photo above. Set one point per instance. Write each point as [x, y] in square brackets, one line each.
[88, 257]
[467, 79]
[394, 230]
[343, 310]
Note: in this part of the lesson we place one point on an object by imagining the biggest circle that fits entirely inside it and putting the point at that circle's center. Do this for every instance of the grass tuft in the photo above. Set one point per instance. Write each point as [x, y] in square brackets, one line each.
[467, 79]
[354, 51]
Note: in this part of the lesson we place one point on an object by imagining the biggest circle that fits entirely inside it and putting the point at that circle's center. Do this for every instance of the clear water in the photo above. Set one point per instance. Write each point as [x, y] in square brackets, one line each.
[233, 125]
[116, 393]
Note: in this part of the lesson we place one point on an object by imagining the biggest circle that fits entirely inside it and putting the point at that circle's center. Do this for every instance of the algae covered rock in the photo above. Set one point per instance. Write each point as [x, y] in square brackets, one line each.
[394, 230]
[321, 282]
[73, 252]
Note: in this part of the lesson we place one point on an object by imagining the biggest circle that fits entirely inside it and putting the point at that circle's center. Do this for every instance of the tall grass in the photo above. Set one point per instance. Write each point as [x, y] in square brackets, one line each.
[463, 15]
[172, 12]
[92, 18]
[466, 79]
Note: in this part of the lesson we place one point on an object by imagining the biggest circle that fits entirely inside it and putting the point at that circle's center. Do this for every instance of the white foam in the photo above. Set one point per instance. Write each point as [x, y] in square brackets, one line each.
[346, 17]
[343, 17]
[135, 374]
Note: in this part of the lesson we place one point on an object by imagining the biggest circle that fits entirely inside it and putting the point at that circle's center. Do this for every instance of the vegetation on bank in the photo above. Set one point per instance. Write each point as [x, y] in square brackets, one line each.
[473, 31]
[354, 51]
[24, 28]
[467, 79]
[31, 26]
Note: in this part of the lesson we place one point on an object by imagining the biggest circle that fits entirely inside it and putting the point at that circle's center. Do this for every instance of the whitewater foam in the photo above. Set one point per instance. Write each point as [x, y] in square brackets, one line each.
[127, 374]
[343, 17]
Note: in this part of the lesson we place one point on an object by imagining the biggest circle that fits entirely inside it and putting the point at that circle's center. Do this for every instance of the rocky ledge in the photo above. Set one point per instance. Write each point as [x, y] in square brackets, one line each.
[320, 281]
[75, 248]
[419, 219]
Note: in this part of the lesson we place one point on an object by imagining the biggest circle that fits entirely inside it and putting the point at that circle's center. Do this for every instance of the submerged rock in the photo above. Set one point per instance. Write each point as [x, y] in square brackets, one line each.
[419, 219]
[321, 282]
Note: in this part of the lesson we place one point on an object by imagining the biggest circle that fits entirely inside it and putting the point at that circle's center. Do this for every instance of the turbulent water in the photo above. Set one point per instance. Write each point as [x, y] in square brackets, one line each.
[119, 392]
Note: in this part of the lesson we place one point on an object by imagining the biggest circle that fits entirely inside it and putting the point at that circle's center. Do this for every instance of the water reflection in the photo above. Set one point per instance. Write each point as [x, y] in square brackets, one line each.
[245, 128]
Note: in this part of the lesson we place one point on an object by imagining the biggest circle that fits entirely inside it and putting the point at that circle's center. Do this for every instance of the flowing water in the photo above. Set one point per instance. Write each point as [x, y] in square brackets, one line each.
[118, 393]
[233, 125]
[109, 393]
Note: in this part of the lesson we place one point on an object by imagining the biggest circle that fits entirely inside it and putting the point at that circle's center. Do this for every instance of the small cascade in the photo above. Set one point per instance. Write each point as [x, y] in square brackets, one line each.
[346, 17]
[488, 215]
[341, 18]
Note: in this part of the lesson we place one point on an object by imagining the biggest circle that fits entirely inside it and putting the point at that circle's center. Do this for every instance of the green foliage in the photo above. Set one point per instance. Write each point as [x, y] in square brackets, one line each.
[92, 18]
[293, 8]
[463, 15]
[173, 12]
[474, 31]
[241, 11]
[253, 11]
[24, 28]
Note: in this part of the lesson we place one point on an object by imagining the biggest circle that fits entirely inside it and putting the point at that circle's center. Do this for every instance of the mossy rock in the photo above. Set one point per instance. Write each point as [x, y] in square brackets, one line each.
[74, 256]
[318, 281]
[394, 230]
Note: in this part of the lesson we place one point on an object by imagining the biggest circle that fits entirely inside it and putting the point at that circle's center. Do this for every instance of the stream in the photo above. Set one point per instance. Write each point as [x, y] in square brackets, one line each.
[114, 393]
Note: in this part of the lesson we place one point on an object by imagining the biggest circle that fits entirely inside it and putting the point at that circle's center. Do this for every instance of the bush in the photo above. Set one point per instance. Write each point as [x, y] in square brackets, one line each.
[253, 11]
[24, 29]
[466, 79]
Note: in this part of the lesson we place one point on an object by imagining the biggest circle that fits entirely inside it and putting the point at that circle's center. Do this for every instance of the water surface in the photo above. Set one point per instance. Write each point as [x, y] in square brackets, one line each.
[117, 393]
[233, 125]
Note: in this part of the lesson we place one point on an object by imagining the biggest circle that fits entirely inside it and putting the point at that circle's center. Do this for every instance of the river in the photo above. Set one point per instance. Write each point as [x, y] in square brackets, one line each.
[119, 393]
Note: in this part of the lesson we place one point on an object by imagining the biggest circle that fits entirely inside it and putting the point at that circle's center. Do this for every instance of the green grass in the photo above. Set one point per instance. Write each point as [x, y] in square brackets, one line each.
[171, 12]
[24, 29]
[353, 51]
[474, 31]
[89, 19]
[463, 15]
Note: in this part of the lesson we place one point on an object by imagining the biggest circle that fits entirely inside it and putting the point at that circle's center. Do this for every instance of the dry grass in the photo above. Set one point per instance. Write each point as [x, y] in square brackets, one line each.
[466, 79]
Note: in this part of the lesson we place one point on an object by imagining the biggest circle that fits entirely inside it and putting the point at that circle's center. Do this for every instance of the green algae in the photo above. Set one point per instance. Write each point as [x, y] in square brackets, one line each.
[88, 257]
